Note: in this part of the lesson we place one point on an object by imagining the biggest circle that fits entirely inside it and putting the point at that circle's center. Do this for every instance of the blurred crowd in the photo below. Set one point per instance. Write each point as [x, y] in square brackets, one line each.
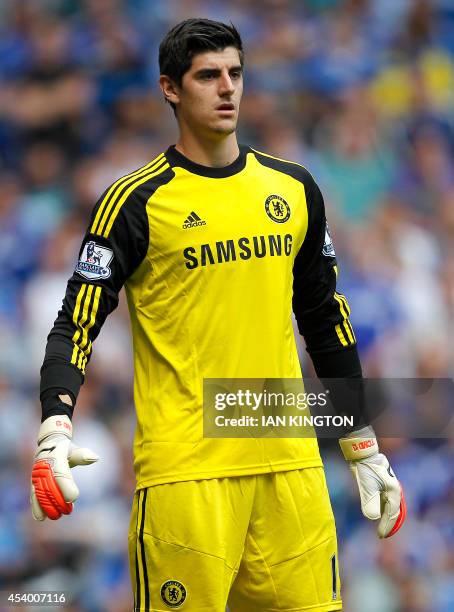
[359, 91]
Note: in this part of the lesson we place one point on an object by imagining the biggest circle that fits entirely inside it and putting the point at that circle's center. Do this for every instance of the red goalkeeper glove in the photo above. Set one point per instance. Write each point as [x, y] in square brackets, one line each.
[53, 489]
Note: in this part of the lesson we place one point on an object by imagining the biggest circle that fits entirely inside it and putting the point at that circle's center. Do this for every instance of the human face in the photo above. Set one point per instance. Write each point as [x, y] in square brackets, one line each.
[209, 97]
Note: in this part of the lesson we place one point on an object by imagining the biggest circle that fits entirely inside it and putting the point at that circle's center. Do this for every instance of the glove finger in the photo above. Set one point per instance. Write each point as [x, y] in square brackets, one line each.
[394, 512]
[81, 456]
[37, 512]
[369, 492]
[47, 491]
[68, 488]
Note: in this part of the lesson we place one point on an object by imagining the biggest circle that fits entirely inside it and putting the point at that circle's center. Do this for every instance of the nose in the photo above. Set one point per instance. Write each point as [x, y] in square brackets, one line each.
[226, 86]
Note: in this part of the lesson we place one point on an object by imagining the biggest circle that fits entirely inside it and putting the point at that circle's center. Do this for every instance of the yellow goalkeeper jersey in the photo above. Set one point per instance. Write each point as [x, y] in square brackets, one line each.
[212, 260]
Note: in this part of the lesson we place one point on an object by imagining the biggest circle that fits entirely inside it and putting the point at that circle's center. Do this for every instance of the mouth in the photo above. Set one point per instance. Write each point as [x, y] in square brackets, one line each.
[226, 107]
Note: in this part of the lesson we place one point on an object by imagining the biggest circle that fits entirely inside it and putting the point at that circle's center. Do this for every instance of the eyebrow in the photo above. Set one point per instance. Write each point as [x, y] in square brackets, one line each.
[216, 71]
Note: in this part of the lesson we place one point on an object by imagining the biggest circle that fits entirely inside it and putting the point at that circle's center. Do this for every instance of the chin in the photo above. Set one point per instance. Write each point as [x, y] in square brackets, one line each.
[225, 129]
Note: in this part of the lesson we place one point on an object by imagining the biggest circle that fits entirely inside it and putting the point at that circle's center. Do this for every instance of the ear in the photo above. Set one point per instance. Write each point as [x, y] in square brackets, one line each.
[169, 89]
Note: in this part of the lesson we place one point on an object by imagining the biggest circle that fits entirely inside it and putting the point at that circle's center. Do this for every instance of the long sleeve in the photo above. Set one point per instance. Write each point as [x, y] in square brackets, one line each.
[321, 312]
[115, 243]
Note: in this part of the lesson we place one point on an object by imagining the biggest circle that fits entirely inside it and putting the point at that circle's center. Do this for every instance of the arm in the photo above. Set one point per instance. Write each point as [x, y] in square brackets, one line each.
[109, 254]
[106, 260]
[322, 313]
[323, 319]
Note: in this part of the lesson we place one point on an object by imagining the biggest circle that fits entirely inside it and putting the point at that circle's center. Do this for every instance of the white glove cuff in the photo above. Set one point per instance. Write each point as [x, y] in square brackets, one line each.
[359, 444]
[57, 424]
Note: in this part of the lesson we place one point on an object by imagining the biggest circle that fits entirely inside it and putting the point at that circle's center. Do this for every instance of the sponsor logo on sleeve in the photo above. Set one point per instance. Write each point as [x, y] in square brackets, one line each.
[328, 247]
[94, 261]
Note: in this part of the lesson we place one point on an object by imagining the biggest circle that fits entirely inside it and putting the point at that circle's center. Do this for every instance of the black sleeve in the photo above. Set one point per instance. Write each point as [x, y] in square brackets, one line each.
[322, 313]
[114, 245]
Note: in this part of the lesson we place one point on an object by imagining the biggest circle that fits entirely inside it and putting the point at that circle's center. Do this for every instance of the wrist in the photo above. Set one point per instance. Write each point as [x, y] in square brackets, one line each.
[359, 444]
[56, 402]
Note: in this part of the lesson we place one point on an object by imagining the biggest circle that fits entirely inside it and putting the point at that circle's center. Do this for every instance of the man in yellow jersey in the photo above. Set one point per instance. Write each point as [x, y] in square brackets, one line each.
[214, 243]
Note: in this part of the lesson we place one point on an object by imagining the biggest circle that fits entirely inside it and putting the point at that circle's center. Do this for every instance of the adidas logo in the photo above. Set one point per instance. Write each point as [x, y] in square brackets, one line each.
[193, 220]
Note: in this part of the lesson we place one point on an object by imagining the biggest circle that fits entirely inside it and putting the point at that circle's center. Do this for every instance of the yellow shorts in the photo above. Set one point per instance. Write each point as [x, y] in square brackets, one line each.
[263, 543]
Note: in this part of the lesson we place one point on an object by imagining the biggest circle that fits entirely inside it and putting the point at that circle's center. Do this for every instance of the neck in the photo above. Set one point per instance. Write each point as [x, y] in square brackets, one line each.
[214, 153]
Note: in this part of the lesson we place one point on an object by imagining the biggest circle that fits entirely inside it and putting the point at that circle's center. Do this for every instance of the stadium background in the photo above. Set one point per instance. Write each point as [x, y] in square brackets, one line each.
[362, 93]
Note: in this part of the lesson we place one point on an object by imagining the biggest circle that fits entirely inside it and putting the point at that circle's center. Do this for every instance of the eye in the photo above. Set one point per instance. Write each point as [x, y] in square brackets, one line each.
[235, 74]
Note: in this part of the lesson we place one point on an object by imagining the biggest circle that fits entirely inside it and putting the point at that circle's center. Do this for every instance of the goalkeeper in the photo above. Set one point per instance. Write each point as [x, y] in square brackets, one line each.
[215, 243]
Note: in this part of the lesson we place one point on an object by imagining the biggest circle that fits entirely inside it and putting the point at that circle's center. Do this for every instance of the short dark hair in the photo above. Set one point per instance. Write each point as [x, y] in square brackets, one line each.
[191, 37]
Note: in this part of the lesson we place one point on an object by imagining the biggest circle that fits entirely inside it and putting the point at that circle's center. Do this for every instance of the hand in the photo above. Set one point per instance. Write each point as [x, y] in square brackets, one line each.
[381, 494]
[53, 489]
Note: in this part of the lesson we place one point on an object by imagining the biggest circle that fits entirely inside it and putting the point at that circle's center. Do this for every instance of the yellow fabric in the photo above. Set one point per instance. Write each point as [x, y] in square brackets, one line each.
[220, 320]
[261, 543]
[84, 322]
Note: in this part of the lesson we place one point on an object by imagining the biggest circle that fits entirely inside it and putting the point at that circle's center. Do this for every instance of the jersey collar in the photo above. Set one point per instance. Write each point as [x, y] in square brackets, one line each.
[175, 158]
